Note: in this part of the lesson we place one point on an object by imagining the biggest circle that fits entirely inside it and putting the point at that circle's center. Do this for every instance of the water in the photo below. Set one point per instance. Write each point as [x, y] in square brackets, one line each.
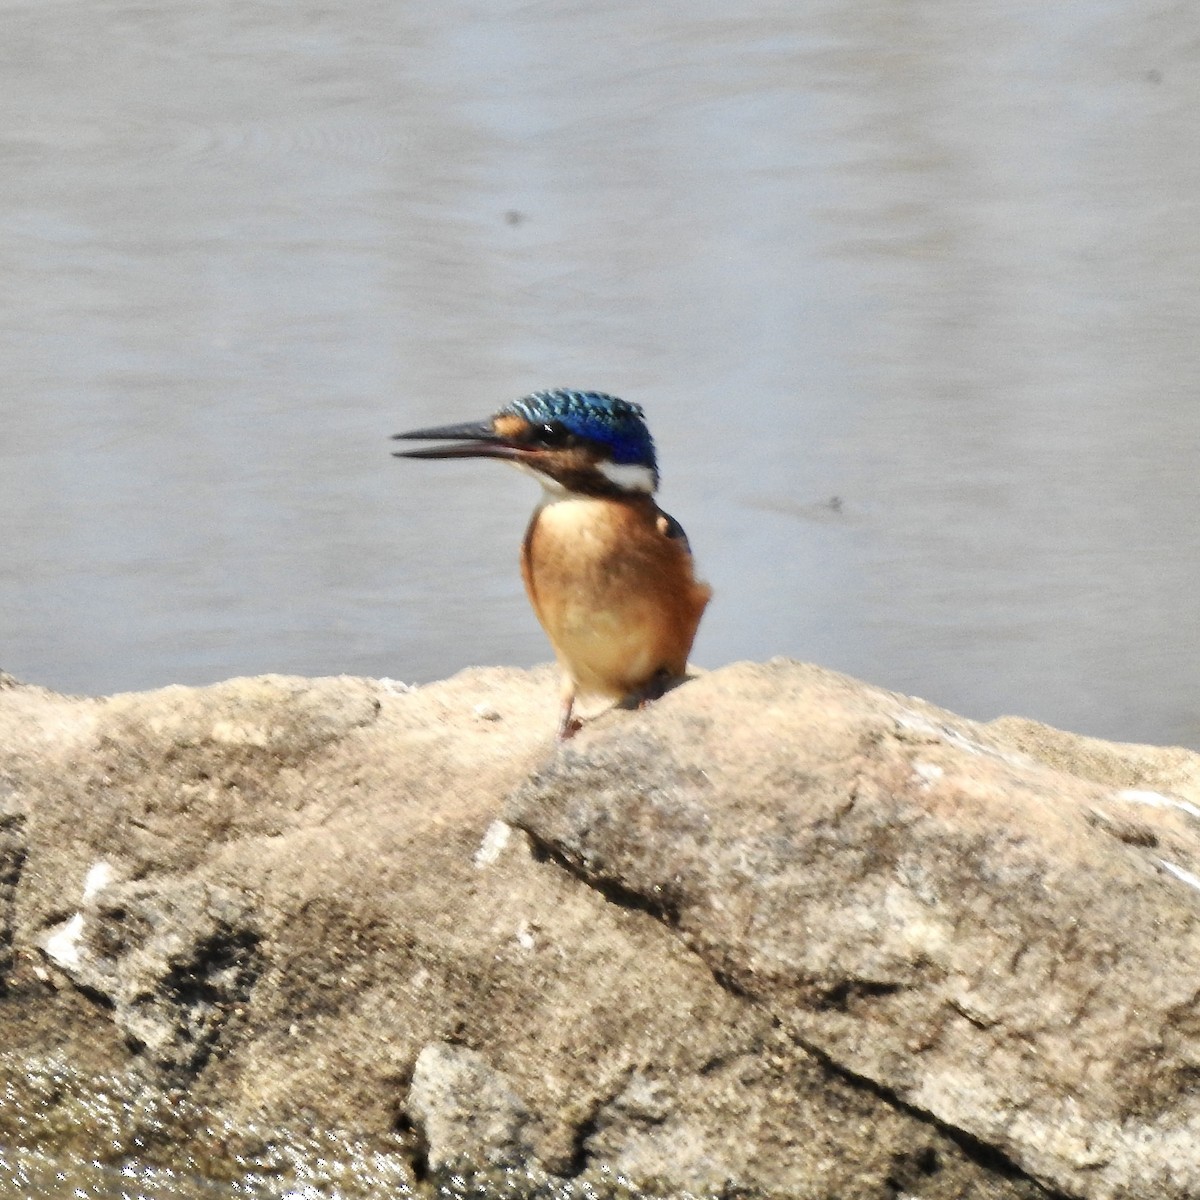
[939, 261]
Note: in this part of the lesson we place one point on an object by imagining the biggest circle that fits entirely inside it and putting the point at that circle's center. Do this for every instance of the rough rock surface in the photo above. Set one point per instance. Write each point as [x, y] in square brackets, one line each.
[778, 934]
[466, 1111]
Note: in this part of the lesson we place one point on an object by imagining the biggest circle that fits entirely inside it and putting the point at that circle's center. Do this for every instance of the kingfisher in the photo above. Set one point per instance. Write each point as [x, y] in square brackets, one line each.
[608, 573]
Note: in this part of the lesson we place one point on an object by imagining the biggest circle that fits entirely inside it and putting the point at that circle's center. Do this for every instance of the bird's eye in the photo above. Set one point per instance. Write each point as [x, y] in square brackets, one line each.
[555, 433]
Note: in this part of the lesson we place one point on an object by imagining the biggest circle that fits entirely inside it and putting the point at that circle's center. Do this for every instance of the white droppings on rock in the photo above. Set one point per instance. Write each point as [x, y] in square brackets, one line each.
[99, 876]
[396, 686]
[1158, 800]
[1193, 881]
[912, 723]
[494, 840]
[62, 945]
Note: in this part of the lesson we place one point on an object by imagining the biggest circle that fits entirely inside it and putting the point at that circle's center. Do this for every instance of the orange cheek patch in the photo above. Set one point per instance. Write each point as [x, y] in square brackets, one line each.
[509, 425]
[579, 459]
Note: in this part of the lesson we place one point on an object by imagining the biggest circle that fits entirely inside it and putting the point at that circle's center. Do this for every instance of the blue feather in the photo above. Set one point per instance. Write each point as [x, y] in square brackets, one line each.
[613, 423]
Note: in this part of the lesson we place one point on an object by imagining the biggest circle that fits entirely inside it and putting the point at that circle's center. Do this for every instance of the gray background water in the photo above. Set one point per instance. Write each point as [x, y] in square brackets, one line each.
[938, 260]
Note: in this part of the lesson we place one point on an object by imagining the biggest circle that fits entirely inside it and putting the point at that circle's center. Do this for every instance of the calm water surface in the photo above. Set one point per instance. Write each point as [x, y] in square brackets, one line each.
[939, 261]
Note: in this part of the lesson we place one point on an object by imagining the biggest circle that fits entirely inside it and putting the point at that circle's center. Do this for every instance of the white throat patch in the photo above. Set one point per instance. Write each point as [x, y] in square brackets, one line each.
[629, 477]
[552, 486]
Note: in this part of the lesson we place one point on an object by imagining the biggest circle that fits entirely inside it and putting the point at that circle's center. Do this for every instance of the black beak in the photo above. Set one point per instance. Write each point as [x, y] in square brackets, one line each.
[477, 440]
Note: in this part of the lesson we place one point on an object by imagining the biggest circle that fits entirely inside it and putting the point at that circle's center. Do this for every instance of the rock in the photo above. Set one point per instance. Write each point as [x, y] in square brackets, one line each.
[175, 962]
[12, 860]
[778, 934]
[466, 1112]
[998, 945]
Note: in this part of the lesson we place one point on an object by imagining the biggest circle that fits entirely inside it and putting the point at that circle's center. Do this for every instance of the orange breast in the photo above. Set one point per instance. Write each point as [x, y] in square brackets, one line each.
[615, 594]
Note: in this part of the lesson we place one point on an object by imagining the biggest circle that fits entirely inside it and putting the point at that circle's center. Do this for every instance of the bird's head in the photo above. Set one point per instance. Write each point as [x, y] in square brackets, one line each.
[583, 442]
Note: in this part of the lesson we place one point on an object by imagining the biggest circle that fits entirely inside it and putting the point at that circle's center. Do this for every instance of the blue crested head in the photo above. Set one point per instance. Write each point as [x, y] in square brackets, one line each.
[581, 442]
[606, 421]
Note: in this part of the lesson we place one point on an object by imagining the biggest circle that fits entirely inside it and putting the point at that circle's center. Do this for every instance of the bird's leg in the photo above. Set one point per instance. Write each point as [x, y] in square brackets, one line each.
[568, 725]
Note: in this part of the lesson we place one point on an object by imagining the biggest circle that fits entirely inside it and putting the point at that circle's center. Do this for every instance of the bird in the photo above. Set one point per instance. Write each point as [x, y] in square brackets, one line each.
[608, 573]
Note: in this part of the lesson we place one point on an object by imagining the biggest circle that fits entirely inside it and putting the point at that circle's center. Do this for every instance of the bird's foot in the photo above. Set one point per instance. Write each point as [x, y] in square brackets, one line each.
[654, 689]
[568, 725]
